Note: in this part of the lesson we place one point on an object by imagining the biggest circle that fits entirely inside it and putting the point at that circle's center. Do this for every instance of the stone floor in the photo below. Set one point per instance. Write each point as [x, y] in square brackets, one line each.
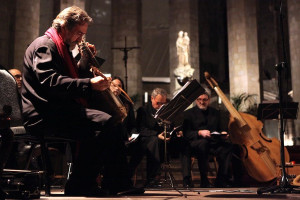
[191, 194]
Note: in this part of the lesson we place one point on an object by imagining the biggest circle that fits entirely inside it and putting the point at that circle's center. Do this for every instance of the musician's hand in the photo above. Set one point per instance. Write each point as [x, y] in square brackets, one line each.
[92, 48]
[204, 133]
[224, 135]
[85, 56]
[162, 137]
[100, 84]
[179, 133]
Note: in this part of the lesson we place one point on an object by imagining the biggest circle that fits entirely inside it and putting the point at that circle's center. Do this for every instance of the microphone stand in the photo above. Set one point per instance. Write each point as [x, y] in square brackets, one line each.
[125, 58]
[284, 185]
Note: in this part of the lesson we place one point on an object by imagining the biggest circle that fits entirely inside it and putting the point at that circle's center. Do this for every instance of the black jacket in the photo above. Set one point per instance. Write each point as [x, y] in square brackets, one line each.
[195, 119]
[147, 125]
[49, 95]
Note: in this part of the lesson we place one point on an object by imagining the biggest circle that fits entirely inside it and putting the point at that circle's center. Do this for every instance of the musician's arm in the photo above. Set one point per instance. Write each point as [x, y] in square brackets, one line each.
[188, 130]
[223, 123]
[49, 71]
[144, 124]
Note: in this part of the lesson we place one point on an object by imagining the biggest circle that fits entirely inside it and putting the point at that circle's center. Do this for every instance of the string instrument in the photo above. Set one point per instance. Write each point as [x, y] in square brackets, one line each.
[105, 100]
[260, 155]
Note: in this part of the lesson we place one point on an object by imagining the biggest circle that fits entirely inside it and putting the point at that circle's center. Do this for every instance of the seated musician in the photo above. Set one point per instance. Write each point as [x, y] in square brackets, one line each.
[55, 101]
[200, 122]
[129, 124]
[148, 141]
[17, 74]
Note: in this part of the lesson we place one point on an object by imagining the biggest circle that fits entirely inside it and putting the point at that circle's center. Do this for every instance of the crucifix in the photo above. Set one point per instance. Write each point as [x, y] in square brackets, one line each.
[125, 58]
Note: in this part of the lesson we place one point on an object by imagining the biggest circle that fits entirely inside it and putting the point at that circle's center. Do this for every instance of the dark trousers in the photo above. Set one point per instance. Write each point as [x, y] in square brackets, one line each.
[100, 149]
[103, 154]
[146, 146]
[180, 146]
[6, 143]
[219, 148]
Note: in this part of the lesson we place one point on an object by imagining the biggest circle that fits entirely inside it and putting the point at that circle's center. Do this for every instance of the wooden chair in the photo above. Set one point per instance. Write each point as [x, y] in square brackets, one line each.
[212, 167]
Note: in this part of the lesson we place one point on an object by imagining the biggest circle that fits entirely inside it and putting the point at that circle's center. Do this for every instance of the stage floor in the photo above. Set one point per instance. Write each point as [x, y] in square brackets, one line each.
[191, 194]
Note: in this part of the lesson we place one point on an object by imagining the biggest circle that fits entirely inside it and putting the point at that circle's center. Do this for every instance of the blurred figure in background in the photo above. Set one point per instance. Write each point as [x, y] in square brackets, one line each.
[17, 74]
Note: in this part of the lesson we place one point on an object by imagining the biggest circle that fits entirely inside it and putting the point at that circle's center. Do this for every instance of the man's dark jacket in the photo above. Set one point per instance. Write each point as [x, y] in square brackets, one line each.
[49, 95]
[196, 119]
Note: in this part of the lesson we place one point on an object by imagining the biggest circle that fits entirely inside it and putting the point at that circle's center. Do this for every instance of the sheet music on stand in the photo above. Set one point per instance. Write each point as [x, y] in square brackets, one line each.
[185, 97]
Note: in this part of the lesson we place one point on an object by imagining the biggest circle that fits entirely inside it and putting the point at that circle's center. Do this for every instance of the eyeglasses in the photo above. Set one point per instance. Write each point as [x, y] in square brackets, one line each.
[159, 103]
[18, 76]
[199, 99]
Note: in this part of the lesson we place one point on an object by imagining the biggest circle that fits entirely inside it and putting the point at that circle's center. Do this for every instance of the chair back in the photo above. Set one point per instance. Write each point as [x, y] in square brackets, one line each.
[9, 95]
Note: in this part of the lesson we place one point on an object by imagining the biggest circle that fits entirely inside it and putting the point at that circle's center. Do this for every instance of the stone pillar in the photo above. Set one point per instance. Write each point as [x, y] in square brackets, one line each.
[294, 42]
[242, 47]
[183, 17]
[7, 16]
[66, 3]
[126, 23]
[26, 27]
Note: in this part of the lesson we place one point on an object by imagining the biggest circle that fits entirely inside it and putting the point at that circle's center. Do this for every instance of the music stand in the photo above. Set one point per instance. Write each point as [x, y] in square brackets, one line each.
[272, 110]
[170, 112]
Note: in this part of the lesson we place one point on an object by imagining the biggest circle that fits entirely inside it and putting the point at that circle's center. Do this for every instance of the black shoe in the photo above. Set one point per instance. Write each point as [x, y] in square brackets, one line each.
[187, 183]
[132, 191]
[72, 189]
[206, 185]
[153, 184]
[223, 184]
[3, 194]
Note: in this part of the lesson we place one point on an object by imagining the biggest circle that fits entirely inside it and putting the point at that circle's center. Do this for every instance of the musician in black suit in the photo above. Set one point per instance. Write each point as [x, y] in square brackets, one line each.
[55, 99]
[199, 124]
[148, 141]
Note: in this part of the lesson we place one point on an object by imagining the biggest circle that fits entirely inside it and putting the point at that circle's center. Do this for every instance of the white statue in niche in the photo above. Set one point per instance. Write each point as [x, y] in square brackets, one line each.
[184, 68]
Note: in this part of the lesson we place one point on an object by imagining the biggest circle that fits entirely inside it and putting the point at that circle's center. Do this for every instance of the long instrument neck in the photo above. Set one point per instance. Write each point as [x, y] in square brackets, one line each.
[230, 107]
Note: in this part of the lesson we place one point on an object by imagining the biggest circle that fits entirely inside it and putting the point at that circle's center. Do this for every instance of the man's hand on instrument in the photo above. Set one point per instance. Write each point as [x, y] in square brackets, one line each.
[204, 133]
[179, 133]
[224, 135]
[162, 136]
[92, 48]
[85, 56]
[100, 84]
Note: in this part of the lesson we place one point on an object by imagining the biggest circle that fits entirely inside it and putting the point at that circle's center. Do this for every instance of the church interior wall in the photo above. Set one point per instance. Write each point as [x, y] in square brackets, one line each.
[153, 27]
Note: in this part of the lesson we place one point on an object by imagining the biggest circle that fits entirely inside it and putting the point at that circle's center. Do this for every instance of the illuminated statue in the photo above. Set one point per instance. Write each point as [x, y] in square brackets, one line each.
[183, 50]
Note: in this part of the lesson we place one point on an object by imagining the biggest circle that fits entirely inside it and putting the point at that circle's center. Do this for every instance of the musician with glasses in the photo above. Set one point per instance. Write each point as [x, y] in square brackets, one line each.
[205, 129]
[17, 74]
[148, 142]
[55, 100]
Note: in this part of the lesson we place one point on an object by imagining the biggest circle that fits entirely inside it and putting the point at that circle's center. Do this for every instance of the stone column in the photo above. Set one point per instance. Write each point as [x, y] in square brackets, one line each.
[242, 47]
[183, 17]
[126, 22]
[7, 16]
[66, 3]
[294, 42]
[26, 27]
